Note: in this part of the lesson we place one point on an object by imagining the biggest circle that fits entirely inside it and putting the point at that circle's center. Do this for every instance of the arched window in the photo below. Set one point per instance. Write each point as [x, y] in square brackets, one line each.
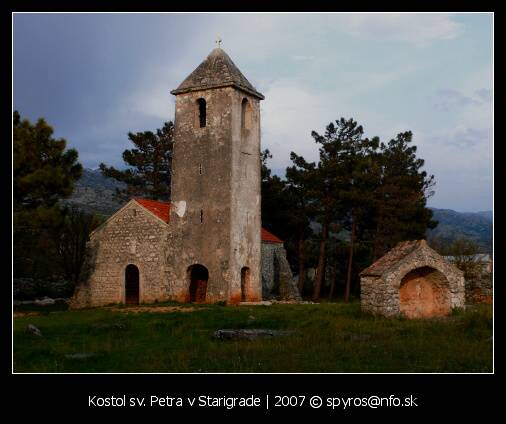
[245, 114]
[201, 103]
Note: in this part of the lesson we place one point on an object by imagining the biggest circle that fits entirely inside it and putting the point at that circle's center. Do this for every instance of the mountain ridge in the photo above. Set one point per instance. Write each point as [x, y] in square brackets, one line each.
[476, 226]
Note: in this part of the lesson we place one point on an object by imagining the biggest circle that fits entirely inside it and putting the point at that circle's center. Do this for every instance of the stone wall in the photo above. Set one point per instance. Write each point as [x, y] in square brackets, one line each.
[135, 236]
[277, 278]
[378, 298]
[132, 236]
[479, 289]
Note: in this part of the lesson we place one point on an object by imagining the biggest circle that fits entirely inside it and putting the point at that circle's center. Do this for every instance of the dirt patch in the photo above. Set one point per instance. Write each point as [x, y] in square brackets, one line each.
[156, 309]
[249, 334]
[25, 314]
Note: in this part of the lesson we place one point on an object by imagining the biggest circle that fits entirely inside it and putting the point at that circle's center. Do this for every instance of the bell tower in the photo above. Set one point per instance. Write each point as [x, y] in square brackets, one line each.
[215, 206]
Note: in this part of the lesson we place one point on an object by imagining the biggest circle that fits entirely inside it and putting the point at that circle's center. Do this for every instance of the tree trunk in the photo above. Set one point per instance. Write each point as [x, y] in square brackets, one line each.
[333, 283]
[321, 260]
[350, 260]
[302, 264]
[378, 244]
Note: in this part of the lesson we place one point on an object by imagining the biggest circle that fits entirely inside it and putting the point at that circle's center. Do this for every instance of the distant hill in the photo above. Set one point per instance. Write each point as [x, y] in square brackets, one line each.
[94, 193]
[473, 225]
[486, 214]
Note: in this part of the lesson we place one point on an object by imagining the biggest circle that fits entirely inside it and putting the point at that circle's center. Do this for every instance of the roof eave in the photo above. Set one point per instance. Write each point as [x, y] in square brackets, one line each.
[370, 274]
[253, 93]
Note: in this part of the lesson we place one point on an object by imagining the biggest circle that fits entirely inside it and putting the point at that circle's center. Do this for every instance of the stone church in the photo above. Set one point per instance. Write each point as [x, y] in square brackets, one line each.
[207, 245]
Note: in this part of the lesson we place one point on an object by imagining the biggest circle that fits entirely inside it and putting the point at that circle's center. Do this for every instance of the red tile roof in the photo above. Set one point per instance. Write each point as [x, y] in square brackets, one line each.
[269, 237]
[162, 211]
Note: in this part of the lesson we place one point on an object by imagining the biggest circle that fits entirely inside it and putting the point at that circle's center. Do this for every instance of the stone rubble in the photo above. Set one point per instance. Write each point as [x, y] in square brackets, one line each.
[249, 334]
[33, 330]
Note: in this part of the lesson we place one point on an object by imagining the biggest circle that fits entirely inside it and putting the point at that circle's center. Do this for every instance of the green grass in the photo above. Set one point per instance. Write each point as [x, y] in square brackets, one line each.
[329, 337]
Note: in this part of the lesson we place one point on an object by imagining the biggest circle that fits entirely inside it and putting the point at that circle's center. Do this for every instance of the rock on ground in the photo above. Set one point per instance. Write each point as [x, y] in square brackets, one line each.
[249, 334]
[41, 302]
[45, 301]
[33, 330]
[81, 355]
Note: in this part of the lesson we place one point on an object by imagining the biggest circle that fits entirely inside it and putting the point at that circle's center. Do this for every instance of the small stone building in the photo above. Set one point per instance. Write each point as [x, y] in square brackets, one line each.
[411, 280]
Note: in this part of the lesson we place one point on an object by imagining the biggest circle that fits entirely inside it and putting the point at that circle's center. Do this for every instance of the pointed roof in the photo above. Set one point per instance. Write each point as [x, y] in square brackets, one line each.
[390, 259]
[217, 70]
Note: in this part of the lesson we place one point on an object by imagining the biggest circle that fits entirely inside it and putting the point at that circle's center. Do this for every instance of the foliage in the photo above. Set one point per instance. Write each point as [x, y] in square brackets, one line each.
[49, 240]
[71, 238]
[401, 212]
[44, 172]
[149, 165]
[464, 252]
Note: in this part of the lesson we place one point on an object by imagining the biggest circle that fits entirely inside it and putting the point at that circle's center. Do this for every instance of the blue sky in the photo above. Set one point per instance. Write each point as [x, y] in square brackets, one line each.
[95, 77]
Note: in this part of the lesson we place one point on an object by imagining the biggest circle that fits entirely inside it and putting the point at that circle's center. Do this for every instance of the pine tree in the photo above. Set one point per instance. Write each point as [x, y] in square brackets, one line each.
[302, 209]
[149, 162]
[331, 178]
[44, 172]
[401, 198]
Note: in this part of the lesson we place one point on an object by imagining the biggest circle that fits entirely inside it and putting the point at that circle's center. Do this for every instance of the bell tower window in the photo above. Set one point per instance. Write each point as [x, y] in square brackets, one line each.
[245, 114]
[201, 104]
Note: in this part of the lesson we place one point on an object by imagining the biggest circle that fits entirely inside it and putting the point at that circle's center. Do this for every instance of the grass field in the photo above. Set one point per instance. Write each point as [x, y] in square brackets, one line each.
[328, 337]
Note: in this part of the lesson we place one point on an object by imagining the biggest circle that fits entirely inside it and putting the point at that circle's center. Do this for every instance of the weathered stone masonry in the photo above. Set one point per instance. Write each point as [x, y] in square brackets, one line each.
[131, 236]
[135, 235]
[277, 278]
[412, 280]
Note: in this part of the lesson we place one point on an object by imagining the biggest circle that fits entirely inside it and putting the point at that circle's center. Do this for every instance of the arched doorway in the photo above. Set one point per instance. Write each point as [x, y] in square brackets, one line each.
[424, 292]
[245, 283]
[131, 285]
[198, 277]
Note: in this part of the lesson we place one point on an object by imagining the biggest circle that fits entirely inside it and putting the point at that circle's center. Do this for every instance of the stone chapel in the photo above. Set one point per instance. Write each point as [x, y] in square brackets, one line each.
[207, 244]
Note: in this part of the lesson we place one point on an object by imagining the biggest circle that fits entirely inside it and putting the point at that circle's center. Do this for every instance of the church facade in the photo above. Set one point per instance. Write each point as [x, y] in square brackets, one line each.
[206, 245]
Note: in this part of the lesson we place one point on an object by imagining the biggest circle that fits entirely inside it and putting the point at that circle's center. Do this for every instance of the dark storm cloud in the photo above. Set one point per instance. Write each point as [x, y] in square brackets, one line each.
[75, 70]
